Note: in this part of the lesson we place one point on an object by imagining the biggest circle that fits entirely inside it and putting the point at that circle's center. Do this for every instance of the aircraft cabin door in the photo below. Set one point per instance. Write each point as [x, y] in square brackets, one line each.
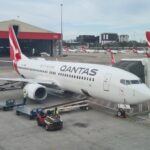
[106, 82]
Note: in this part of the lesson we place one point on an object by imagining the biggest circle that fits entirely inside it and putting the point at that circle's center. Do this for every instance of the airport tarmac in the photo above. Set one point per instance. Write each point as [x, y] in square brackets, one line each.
[85, 130]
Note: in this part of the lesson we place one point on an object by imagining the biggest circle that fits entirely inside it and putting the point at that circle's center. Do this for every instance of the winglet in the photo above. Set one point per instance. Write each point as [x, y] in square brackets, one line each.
[113, 61]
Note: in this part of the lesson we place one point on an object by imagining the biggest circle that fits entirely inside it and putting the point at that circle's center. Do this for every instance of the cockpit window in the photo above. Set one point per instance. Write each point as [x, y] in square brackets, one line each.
[135, 81]
[129, 82]
[122, 81]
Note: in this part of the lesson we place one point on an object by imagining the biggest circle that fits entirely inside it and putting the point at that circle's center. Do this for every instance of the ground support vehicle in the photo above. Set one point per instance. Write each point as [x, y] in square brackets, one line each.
[8, 104]
[53, 122]
[69, 106]
[27, 111]
[50, 121]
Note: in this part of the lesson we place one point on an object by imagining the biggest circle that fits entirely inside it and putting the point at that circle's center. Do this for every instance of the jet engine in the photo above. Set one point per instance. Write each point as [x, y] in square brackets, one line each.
[35, 91]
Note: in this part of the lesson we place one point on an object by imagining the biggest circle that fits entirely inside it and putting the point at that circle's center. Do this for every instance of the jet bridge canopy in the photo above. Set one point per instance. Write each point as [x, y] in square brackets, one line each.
[136, 67]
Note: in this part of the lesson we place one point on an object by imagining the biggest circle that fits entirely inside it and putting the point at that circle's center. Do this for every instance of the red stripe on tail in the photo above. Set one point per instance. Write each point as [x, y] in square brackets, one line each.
[15, 52]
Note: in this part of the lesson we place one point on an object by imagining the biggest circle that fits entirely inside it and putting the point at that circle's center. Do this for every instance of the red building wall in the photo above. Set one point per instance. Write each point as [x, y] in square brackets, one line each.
[33, 35]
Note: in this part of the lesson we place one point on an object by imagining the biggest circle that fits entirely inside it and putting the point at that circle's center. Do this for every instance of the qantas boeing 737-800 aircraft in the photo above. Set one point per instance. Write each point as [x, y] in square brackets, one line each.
[98, 81]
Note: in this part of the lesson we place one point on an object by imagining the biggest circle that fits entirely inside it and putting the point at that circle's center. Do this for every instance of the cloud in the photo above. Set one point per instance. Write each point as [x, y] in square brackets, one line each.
[82, 16]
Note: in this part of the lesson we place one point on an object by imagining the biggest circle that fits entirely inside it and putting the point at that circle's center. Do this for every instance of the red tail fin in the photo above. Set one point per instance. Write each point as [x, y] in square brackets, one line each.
[83, 49]
[134, 50]
[15, 51]
[148, 38]
[108, 50]
[112, 56]
[147, 55]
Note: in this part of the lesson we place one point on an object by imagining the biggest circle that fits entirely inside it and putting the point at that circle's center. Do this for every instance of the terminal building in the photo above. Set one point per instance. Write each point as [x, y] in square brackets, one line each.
[33, 40]
[124, 38]
[108, 38]
[90, 39]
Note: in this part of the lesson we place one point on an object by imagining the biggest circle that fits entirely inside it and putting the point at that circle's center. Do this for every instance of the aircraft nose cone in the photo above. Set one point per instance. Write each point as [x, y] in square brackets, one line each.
[146, 94]
[143, 94]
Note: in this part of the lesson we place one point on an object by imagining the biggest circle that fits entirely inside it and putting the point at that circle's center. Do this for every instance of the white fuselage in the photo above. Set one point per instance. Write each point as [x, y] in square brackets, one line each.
[98, 81]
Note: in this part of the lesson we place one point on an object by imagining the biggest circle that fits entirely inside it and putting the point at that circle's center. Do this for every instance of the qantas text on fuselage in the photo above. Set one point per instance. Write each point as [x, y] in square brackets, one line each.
[78, 70]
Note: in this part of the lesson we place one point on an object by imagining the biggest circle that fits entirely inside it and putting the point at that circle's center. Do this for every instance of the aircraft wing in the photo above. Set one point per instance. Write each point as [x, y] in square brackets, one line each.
[23, 80]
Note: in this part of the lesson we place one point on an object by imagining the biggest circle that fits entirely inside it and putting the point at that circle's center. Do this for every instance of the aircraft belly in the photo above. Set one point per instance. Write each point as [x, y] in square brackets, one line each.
[73, 85]
[113, 94]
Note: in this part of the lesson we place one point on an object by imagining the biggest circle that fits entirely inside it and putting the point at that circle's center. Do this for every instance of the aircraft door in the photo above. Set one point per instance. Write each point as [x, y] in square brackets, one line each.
[106, 82]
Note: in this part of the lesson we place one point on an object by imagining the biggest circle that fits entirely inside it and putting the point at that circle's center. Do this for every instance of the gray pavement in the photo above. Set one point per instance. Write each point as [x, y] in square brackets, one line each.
[83, 130]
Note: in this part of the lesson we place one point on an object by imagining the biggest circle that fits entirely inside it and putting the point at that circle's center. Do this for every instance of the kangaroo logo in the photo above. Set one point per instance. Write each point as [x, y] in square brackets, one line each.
[14, 46]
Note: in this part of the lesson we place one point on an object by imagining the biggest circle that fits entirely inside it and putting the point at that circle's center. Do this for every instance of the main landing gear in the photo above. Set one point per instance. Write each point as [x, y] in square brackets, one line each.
[122, 110]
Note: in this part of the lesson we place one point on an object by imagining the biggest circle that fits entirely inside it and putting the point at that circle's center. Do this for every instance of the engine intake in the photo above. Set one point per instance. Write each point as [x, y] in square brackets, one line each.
[35, 91]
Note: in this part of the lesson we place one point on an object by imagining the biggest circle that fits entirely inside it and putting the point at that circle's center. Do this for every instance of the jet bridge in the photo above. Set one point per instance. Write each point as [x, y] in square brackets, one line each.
[139, 67]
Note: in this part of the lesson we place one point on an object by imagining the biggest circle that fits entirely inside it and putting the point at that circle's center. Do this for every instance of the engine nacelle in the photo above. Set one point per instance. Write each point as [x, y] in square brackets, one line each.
[35, 91]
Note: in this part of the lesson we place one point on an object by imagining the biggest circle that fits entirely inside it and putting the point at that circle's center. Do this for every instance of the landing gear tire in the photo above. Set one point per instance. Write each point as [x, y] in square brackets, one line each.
[121, 113]
[46, 128]
[118, 113]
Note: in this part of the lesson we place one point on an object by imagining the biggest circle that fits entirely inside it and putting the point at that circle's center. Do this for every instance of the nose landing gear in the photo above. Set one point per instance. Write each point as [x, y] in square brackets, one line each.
[121, 113]
[122, 110]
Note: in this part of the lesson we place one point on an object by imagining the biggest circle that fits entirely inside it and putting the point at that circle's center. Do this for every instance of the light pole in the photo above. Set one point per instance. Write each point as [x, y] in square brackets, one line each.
[61, 40]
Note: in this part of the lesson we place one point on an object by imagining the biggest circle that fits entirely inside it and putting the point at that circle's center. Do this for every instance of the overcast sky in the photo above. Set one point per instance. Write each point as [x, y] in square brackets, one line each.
[82, 16]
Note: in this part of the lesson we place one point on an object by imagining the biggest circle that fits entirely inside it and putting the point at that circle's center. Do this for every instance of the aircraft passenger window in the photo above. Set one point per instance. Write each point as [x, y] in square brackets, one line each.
[93, 79]
[84, 78]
